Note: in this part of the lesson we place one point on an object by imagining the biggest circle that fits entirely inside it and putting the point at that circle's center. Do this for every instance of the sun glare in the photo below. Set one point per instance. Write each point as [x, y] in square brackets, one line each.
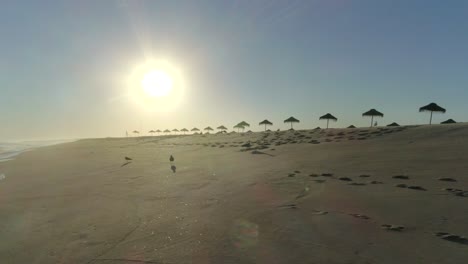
[156, 86]
[157, 83]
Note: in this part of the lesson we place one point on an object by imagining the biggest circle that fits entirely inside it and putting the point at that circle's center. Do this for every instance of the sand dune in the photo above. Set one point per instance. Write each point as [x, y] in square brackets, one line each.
[358, 195]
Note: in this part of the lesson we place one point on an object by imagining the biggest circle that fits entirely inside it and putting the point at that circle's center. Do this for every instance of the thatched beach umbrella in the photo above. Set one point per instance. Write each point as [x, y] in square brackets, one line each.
[449, 121]
[372, 113]
[432, 107]
[291, 120]
[394, 124]
[158, 131]
[328, 117]
[175, 130]
[208, 129]
[351, 126]
[184, 130]
[167, 131]
[239, 127]
[266, 123]
[151, 131]
[194, 129]
[222, 128]
[136, 132]
[244, 124]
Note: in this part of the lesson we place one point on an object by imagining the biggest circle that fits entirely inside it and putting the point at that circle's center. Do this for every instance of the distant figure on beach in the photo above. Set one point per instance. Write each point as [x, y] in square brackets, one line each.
[171, 159]
[375, 123]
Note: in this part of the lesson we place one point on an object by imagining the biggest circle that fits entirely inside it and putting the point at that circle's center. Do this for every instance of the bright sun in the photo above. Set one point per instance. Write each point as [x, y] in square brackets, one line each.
[157, 83]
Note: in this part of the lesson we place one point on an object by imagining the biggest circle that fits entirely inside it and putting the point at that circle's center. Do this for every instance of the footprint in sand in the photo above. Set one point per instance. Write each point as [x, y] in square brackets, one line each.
[259, 152]
[319, 181]
[289, 206]
[412, 187]
[316, 212]
[313, 175]
[364, 176]
[396, 228]
[452, 238]
[360, 216]
[447, 179]
[345, 179]
[291, 174]
[327, 174]
[401, 177]
[418, 188]
[375, 182]
[125, 164]
[457, 192]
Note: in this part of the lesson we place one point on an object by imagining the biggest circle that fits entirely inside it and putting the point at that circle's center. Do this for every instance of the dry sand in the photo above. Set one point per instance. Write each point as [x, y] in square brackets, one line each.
[82, 202]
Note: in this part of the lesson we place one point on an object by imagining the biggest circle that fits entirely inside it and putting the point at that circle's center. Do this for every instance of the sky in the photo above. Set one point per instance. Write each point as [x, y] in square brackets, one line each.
[65, 65]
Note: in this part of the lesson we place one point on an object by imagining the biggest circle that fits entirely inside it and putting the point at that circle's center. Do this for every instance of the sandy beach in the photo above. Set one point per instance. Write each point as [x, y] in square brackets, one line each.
[364, 195]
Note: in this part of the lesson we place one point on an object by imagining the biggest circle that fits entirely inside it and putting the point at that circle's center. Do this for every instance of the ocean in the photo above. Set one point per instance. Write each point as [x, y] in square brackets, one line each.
[8, 150]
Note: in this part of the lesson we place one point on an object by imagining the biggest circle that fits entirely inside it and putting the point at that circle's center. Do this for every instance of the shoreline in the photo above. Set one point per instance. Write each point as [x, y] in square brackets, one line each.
[10, 150]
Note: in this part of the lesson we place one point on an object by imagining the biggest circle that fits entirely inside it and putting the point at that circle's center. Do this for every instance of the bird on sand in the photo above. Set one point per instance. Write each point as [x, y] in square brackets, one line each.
[171, 159]
[127, 158]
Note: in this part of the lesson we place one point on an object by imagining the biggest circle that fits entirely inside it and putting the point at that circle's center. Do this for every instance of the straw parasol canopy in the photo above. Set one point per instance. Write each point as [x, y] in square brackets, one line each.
[266, 123]
[372, 113]
[328, 117]
[394, 124]
[151, 131]
[239, 126]
[194, 129]
[351, 126]
[167, 131]
[449, 121]
[175, 130]
[184, 130]
[158, 131]
[208, 129]
[432, 107]
[243, 125]
[291, 120]
[222, 128]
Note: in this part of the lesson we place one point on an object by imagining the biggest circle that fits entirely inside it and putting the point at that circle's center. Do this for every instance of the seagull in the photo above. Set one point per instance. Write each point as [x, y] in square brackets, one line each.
[171, 159]
[127, 158]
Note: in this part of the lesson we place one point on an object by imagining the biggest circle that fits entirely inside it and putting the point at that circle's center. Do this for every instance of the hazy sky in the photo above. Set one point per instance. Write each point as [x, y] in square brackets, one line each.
[64, 64]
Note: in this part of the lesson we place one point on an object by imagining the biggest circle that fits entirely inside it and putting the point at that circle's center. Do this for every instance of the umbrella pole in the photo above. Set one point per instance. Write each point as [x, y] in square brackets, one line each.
[430, 119]
[372, 121]
[328, 120]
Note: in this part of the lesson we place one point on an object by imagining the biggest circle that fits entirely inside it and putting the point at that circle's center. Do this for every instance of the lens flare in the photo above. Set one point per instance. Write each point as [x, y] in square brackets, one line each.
[156, 86]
